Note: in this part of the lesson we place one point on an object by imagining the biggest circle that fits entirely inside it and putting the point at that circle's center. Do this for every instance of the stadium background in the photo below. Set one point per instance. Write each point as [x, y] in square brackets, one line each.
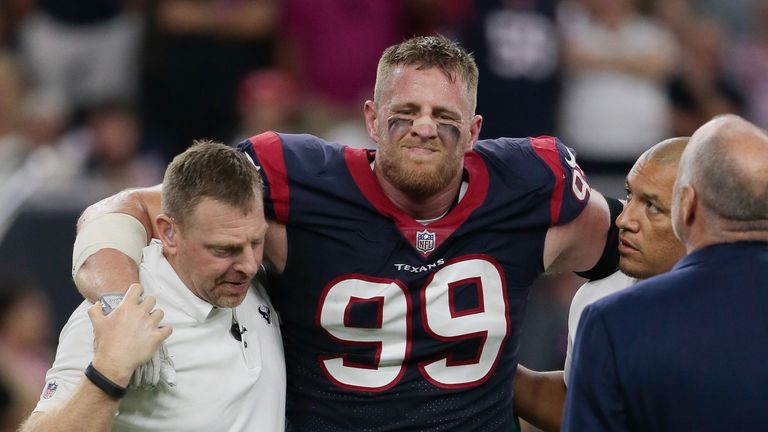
[97, 96]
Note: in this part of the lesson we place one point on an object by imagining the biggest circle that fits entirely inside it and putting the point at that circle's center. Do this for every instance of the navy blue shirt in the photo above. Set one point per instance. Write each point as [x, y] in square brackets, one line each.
[683, 351]
[393, 325]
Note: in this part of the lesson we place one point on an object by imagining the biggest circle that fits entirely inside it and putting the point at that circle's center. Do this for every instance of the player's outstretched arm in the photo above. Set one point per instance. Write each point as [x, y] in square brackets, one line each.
[540, 398]
[578, 245]
[126, 338]
[110, 236]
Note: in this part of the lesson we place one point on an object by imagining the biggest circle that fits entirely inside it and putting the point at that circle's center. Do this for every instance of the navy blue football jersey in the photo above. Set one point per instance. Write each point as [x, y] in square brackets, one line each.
[391, 325]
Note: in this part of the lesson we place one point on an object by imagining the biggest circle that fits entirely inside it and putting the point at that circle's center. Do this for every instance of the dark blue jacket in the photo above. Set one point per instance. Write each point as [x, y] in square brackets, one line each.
[683, 351]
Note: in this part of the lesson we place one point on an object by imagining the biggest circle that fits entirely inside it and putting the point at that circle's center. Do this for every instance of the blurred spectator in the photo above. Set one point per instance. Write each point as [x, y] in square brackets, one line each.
[12, 92]
[99, 159]
[41, 122]
[736, 16]
[82, 52]
[25, 346]
[675, 15]
[12, 13]
[614, 104]
[44, 120]
[267, 99]
[748, 66]
[332, 48]
[32, 158]
[700, 90]
[516, 44]
[114, 158]
[30, 125]
[196, 53]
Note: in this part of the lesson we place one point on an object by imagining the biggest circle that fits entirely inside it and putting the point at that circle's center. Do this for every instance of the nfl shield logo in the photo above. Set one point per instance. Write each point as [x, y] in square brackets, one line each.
[50, 389]
[425, 241]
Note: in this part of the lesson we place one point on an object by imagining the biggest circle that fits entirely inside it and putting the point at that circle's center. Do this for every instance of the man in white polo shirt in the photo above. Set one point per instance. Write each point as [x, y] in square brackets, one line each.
[647, 247]
[226, 347]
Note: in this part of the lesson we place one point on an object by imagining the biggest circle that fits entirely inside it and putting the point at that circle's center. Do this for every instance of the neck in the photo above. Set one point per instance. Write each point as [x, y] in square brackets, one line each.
[717, 232]
[428, 207]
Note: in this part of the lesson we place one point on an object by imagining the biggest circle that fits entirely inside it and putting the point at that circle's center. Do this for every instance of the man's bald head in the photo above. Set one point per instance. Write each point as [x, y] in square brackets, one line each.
[667, 152]
[727, 164]
[725, 168]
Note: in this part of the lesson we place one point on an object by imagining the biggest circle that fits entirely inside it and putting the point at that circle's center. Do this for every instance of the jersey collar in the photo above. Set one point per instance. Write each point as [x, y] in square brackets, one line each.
[358, 163]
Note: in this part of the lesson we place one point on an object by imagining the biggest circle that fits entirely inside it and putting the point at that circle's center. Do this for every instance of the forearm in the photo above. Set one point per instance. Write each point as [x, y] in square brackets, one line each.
[540, 397]
[106, 271]
[106, 253]
[89, 409]
[122, 341]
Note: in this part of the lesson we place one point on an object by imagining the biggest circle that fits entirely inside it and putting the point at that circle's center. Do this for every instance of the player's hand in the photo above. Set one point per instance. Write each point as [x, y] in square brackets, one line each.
[128, 336]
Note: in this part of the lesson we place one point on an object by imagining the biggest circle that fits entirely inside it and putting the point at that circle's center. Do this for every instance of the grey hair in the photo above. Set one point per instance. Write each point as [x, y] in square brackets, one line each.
[724, 184]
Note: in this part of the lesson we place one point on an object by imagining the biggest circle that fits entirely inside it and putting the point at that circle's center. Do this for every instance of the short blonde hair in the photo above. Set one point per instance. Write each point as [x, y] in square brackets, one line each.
[209, 170]
[426, 52]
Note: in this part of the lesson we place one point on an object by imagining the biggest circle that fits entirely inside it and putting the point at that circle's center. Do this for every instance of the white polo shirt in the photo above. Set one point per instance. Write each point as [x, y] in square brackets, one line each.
[589, 293]
[221, 385]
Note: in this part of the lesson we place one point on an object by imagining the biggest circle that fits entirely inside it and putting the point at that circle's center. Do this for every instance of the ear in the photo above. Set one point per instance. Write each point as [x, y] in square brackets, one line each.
[688, 205]
[371, 121]
[167, 232]
[474, 131]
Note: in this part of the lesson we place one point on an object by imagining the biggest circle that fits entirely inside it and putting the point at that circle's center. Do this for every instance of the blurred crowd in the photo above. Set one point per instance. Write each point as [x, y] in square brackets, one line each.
[98, 95]
[118, 87]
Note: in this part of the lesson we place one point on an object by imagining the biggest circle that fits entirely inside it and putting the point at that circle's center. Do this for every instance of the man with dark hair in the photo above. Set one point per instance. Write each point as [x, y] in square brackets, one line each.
[403, 273]
[686, 350]
[647, 247]
[226, 347]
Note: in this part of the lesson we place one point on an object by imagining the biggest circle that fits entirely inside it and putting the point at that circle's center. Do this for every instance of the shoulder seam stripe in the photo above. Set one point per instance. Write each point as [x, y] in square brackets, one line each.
[546, 148]
[269, 150]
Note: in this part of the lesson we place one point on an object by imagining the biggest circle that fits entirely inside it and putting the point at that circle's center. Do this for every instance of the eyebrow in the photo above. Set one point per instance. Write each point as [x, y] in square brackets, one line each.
[435, 110]
[649, 197]
[235, 246]
[229, 247]
[656, 200]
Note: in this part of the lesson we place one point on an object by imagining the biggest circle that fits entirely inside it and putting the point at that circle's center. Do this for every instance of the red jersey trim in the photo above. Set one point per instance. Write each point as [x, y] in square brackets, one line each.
[269, 150]
[358, 163]
[546, 149]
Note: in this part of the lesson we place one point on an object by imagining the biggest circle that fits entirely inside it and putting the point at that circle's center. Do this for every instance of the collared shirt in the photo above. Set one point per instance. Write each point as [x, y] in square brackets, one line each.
[589, 293]
[221, 384]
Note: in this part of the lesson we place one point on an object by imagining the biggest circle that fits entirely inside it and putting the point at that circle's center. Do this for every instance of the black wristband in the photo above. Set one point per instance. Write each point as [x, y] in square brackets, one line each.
[609, 260]
[104, 383]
